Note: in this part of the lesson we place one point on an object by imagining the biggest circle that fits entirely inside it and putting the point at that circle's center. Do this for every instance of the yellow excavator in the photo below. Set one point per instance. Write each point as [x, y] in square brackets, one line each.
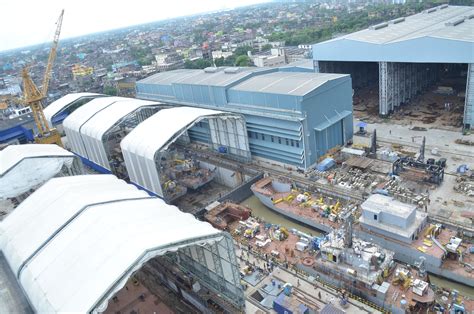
[33, 97]
[402, 278]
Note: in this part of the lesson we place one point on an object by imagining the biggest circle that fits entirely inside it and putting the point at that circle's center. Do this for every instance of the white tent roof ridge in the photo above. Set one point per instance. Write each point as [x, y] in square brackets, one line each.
[140, 146]
[102, 302]
[56, 106]
[96, 249]
[188, 116]
[12, 155]
[63, 226]
[92, 131]
[74, 122]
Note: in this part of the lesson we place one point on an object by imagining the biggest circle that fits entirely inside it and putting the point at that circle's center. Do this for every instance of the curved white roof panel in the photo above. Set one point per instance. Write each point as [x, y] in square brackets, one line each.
[23, 167]
[72, 251]
[92, 131]
[73, 123]
[58, 105]
[140, 146]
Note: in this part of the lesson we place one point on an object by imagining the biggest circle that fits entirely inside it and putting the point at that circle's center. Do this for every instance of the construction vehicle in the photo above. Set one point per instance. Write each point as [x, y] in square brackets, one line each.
[281, 234]
[33, 97]
[402, 277]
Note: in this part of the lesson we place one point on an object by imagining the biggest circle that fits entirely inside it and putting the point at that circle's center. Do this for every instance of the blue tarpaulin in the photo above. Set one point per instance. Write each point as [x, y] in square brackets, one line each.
[326, 164]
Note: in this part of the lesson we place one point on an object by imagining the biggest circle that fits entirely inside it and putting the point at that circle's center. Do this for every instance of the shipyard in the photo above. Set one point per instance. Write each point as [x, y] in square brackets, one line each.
[341, 181]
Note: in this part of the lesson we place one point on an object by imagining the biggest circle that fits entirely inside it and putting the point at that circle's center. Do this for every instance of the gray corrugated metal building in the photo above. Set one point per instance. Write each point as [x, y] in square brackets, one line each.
[292, 118]
[406, 54]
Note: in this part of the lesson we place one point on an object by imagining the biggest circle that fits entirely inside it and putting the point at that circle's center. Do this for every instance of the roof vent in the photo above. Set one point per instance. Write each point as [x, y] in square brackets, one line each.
[444, 6]
[430, 10]
[468, 17]
[379, 26]
[455, 22]
[399, 20]
[232, 70]
[210, 70]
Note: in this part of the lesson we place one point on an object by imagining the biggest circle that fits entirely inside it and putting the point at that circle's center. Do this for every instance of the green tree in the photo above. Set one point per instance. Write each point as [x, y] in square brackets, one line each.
[266, 47]
[219, 61]
[242, 51]
[243, 61]
[110, 90]
[197, 64]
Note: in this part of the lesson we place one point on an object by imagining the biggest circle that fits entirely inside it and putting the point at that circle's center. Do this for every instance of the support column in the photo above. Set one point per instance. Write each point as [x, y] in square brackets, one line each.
[420, 77]
[411, 80]
[415, 79]
[403, 88]
[396, 86]
[468, 120]
[316, 66]
[385, 86]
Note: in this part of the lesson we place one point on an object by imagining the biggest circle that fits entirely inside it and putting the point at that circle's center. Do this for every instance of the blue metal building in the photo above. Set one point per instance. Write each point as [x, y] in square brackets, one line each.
[292, 117]
[406, 55]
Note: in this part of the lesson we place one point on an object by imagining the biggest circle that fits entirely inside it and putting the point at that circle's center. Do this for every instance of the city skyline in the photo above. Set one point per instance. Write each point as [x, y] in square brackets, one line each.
[80, 19]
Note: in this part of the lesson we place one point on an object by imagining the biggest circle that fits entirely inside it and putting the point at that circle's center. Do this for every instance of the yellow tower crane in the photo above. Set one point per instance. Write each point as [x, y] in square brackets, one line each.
[33, 96]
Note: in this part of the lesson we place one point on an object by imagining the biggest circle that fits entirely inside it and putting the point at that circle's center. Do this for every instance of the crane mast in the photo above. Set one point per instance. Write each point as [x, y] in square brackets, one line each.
[34, 97]
[52, 54]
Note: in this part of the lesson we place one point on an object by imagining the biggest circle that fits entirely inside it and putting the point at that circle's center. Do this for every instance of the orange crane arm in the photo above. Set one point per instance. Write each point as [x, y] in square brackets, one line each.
[52, 55]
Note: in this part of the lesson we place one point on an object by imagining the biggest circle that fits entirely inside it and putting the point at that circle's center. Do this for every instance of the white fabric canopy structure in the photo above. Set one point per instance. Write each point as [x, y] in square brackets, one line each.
[23, 167]
[86, 127]
[64, 102]
[73, 123]
[75, 241]
[140, 146]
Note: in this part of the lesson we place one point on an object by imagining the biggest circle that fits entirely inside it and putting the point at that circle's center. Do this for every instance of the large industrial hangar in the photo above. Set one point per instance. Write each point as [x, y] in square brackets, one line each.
[94, 130]
[292, 118]
[407, 56]
[166, 150]
[155, 151]
[72, 248]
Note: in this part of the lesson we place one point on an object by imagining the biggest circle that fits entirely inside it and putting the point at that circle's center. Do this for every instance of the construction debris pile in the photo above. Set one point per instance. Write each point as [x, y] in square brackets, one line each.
[393, 188]
[464, 186]
[355, 178]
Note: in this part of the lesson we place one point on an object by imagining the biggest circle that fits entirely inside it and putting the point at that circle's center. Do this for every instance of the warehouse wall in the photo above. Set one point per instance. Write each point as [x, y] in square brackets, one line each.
[280, 127]
[328, 103]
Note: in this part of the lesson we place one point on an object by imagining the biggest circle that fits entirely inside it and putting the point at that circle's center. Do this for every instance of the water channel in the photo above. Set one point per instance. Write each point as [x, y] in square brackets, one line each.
[260, 210]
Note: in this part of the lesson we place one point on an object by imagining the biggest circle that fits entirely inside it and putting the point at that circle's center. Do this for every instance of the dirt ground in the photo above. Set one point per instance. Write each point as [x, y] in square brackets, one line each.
[137, 299]
[424, 110]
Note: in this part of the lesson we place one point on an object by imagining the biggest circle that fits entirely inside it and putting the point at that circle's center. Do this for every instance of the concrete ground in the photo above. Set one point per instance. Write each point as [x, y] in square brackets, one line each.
[445, 202]
[12, 299]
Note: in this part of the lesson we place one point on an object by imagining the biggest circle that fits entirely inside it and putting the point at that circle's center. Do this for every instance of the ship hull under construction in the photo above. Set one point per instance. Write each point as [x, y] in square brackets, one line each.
[411, 255]
[267, 201]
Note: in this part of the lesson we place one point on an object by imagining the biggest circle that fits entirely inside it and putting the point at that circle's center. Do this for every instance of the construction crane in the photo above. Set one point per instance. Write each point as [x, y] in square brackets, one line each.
[33, 96]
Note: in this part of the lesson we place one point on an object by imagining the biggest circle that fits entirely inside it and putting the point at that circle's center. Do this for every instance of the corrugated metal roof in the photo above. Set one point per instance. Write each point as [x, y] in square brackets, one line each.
[286, 83]
[170, 77]
[433, 24]
[220, 76]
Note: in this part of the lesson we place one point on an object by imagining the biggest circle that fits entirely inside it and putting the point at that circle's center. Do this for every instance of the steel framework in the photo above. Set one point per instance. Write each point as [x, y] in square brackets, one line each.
[216, 267]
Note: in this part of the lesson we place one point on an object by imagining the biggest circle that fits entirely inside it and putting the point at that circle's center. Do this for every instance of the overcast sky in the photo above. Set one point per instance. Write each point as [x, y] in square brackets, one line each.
[27, 22]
